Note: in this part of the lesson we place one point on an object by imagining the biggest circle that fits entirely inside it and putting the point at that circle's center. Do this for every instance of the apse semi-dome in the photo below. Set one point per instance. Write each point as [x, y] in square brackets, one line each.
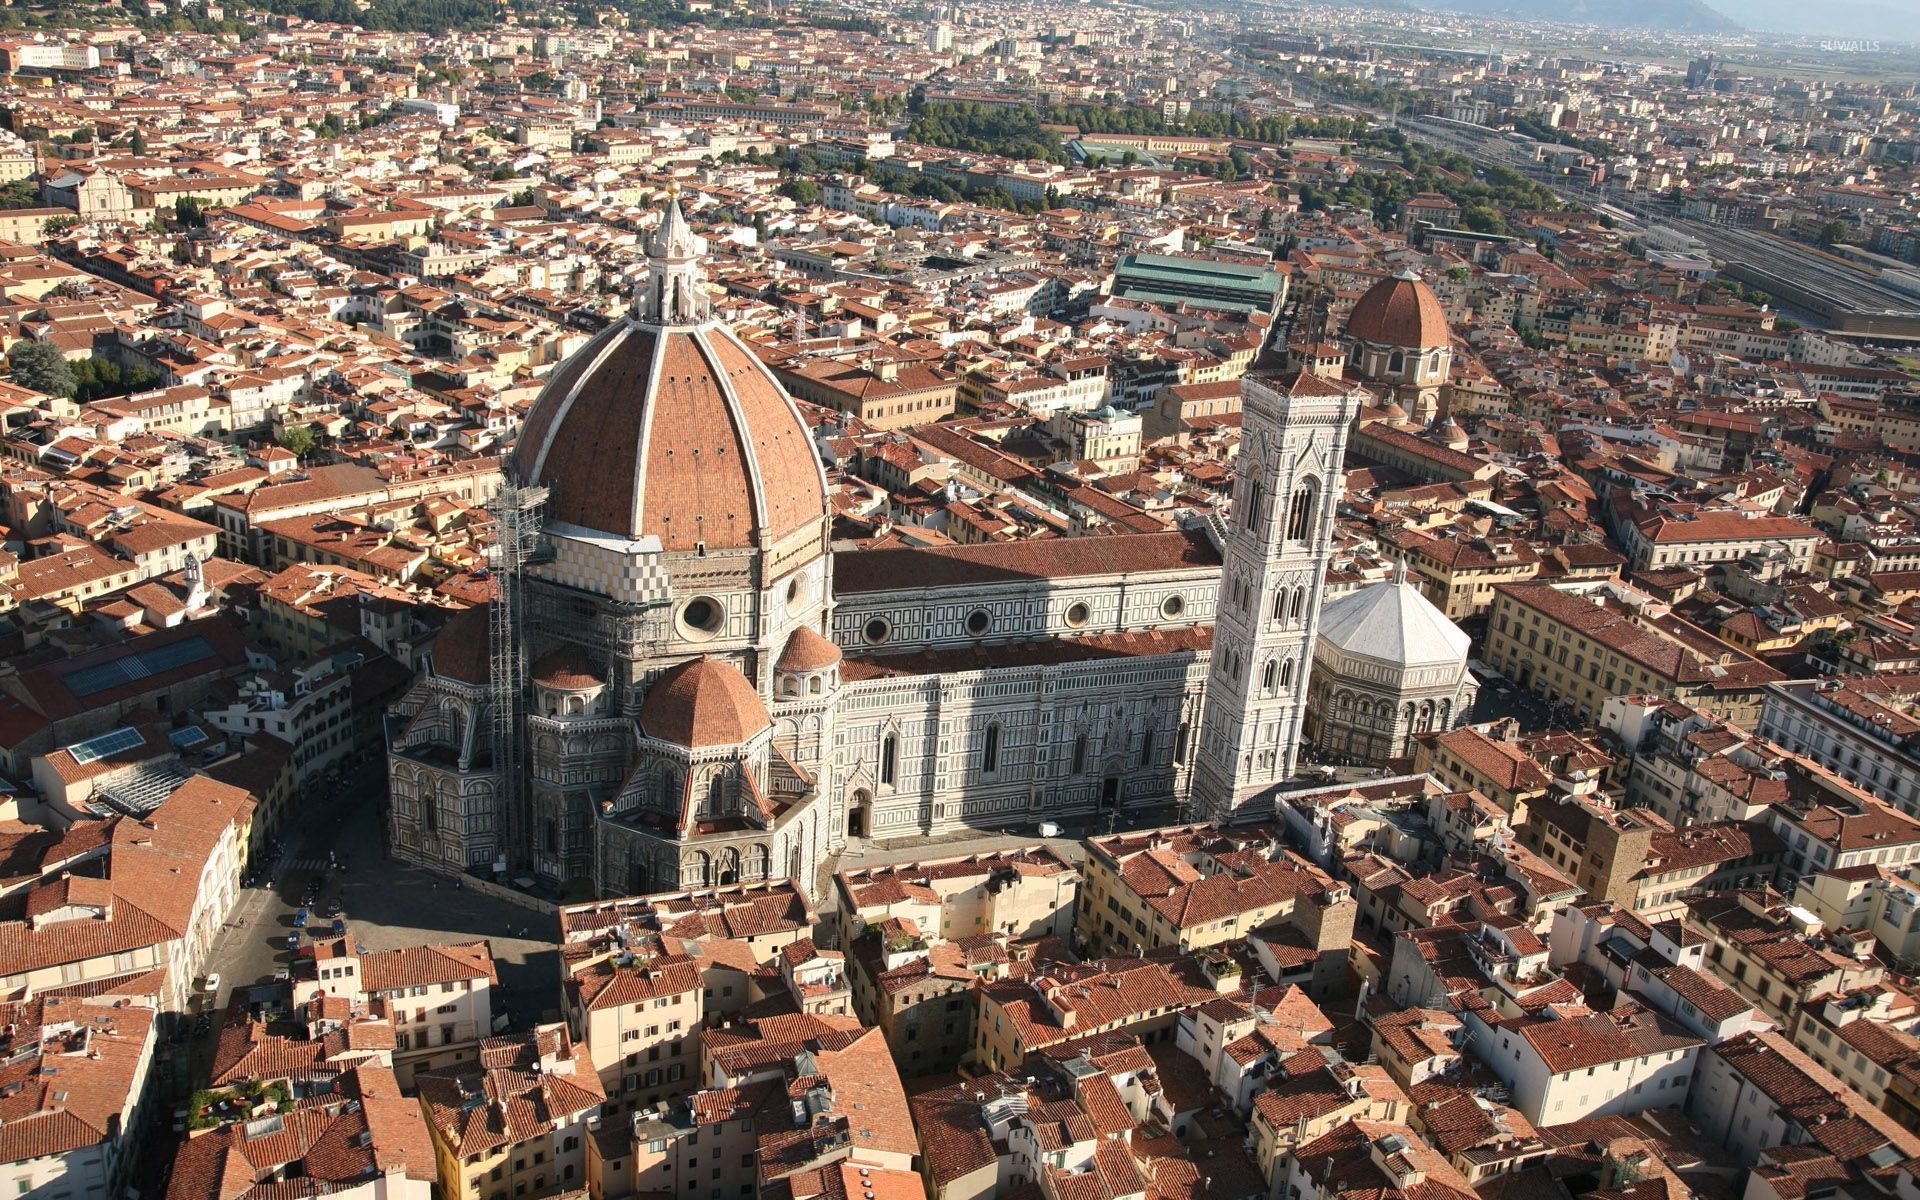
[1400, 310]
[460, 649]
[703, 702]
[665, 424]
[1392, 622]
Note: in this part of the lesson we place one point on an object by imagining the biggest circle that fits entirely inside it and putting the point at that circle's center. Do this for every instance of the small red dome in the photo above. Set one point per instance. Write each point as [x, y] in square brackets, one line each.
[1400, 311]
[808, 651]
[703, 702]
[566, 668]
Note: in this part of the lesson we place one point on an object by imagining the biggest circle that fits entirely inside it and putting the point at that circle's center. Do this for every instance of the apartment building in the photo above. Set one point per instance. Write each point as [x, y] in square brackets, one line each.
[439, 998]
[1580, 650]
[1758, 1092]
[1460, 574]
[1863, 729]
[1574, 1065]
[1778, 957]
[641, 976]
[1199, 886]
[1880, 900]
[1699, 538]
[1018, 894]
[513, 1120]
[75, 1084]
[838, 1099]
[123, 897]
[1054, 1003]
[358, 1139]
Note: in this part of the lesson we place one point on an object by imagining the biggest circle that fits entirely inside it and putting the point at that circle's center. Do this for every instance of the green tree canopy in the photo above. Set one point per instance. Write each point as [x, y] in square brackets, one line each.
[297, 440]
[39, 365]
[801, 191]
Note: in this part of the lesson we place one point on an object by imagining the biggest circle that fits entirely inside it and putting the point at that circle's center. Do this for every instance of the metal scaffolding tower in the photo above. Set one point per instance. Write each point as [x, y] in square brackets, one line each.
[516, 515]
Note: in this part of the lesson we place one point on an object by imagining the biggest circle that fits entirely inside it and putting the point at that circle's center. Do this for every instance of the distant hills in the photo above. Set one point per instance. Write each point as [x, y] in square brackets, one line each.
[1680, 16]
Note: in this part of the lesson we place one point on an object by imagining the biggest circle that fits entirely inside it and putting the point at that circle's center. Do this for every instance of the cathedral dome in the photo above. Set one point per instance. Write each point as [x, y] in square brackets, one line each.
[1402, 311]
[808, 651]
[460, 649]
[703, 702]
[665, 424]
[567, 669]
[1392, 622]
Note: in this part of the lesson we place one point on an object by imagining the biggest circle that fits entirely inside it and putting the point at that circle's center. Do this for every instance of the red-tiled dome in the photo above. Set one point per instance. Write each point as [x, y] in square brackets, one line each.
[566, 668]
[808, 651]
[460, 649]
[703, 702]
[1400, 311]
[665, 424]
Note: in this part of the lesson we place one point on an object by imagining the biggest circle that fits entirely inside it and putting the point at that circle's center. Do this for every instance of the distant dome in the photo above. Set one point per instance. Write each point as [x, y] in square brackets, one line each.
[807, 651]
[567, 669]
[460, 649]
[1392, 622]
[1402, 311]
[703, 702]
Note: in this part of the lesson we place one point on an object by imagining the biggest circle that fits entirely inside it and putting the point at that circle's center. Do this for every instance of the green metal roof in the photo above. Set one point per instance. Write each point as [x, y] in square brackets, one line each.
[1173, 268]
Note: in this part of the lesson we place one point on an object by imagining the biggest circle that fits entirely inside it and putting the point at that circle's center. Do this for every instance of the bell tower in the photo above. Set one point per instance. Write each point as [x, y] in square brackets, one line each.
[1275, 546]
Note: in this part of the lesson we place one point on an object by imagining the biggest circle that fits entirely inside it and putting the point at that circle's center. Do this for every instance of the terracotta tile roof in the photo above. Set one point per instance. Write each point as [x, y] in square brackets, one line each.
[418, 966]
[1577, 1042]
[519, 1086]
[998, 562]
[68, 1072]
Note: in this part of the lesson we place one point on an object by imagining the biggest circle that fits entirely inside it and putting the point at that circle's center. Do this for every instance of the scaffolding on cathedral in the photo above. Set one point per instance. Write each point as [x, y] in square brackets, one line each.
[516, 514]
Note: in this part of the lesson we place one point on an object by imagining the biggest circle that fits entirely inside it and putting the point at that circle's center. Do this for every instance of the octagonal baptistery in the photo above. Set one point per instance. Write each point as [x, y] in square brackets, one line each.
[1387, 666]
[685, 520]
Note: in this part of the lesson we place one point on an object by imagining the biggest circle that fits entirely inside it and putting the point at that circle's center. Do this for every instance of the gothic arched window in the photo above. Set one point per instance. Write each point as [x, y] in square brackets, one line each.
[889, 753]
[990, 749]
[1270, 675]
[1300, 514]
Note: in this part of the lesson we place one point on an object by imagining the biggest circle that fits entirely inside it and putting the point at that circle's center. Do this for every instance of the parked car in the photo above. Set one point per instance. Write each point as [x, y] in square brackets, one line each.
[293, 940]
[300, 918]
[333, 907]
[339, 927]
[211, 984]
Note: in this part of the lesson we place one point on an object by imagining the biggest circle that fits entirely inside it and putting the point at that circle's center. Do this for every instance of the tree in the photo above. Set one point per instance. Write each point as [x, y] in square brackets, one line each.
[1481, 219]
[297, 439]
[39, 366]
[800, 191]
[137, 144]
[1833, 233]
[190, 211]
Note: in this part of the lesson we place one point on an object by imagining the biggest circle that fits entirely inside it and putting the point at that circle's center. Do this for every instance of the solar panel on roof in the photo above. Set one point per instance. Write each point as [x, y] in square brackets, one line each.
[129, 668]
[188, 738]
[111, 742]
